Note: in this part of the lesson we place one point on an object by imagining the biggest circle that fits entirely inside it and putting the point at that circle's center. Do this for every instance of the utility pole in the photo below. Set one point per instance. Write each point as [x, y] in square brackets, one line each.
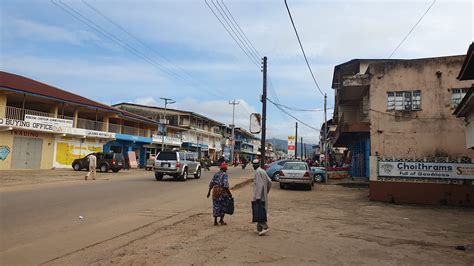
[326, 159]
[302, 149]
[164, 122]
[296, 141]
[264, 113]
[232, 146]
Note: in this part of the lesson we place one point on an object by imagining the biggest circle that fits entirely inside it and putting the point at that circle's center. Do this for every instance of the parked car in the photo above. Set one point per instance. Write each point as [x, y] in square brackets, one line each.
[294, 172]
[319, 174]
[105, 162]
[177, 164]
[274, 168]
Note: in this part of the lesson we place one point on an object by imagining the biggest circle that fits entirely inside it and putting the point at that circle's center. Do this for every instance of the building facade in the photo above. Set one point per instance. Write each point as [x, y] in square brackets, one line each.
[395, 118]
[44, 127]
[185, 130]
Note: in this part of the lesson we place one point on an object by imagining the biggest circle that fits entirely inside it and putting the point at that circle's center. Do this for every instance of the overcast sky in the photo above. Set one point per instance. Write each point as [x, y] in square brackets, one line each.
[184, 52]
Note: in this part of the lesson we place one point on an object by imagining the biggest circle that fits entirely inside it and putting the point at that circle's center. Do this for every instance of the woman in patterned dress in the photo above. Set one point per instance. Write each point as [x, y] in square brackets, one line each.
[220, 192]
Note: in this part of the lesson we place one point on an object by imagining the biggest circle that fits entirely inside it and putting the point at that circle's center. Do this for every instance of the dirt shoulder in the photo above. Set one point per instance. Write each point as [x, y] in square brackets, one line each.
[329, 225]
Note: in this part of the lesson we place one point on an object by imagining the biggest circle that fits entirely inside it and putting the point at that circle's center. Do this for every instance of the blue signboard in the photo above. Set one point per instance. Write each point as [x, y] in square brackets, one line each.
[133, 138]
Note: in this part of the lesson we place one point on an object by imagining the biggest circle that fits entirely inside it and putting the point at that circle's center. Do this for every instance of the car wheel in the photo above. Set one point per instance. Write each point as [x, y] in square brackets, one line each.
[282, 186]
[318, 178]
[158, 176]
[115, 170]
[184, 176]
[275, 177]
[309, 187]
[197, 175]
[104, 168]
[77, 167]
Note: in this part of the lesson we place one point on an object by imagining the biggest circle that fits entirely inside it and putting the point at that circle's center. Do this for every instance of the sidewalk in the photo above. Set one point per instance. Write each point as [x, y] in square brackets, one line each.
[10, 178]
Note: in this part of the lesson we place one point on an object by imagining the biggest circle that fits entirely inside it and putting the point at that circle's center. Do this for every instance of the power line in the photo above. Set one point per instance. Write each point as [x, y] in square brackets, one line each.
[97, 28]
[302, 50]
[412, 28]
[256, 53]
[230, 34]
[287, 113]
[303, 110]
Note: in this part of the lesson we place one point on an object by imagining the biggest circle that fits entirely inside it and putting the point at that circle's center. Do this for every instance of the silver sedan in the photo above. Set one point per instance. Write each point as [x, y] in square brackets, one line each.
[296, 173]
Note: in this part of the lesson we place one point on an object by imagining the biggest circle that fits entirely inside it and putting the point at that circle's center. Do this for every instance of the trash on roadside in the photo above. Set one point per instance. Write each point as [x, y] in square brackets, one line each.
[80, 217]
[463, 248]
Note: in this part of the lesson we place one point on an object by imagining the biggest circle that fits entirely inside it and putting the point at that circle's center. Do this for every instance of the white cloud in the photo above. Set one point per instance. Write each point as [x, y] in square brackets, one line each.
[28, 29]
[146, 101]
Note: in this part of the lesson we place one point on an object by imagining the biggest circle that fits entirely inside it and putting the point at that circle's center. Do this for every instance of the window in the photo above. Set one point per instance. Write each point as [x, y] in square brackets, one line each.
[457, 95]
[403, 100]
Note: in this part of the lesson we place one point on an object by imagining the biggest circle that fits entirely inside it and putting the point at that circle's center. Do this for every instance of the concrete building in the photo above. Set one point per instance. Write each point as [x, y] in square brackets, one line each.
[44, 127]
[244, 145]
[185, 130]
[395, 118]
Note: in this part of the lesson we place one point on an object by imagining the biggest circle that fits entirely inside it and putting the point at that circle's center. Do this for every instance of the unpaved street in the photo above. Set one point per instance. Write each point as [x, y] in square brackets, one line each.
[330, 225]
[40, 222]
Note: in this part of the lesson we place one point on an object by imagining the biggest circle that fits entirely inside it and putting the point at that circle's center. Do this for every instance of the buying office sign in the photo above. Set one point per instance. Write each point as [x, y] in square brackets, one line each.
[426, 170]
[20, 124]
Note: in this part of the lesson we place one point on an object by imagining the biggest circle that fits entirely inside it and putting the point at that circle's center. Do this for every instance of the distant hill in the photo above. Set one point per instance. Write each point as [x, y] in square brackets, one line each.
[282, 145]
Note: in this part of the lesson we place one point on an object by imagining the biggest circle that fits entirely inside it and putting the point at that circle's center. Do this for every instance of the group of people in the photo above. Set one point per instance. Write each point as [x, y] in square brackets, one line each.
[219, 186]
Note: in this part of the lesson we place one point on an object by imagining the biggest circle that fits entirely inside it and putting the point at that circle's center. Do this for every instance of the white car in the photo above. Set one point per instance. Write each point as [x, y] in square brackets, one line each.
[296, 173]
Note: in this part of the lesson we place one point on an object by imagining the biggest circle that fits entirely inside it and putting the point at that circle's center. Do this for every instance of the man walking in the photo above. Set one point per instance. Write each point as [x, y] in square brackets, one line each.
[92, 166]
[261, 187]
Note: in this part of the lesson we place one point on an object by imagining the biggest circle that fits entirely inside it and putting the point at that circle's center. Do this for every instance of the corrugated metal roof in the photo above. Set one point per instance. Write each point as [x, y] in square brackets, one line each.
[26, 85]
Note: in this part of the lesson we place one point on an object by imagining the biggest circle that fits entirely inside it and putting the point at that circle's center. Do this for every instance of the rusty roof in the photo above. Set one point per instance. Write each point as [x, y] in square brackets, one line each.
[29, 86]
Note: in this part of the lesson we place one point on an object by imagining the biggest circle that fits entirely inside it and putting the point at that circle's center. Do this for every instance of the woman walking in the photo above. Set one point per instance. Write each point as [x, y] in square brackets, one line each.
[220, 193]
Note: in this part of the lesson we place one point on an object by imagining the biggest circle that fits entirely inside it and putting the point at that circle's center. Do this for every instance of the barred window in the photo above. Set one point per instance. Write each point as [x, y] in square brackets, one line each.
[403, 100]
[457, 95]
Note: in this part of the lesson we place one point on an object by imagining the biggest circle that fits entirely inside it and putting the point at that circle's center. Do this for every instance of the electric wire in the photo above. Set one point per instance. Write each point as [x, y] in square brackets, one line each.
[289, 114]
[412, 29]
[80, 17]
[230, 34]
[242, 33]
[302, 49]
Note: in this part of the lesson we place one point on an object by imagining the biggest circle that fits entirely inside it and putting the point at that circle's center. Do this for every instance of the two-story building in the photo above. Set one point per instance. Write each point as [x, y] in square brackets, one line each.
[395, 118]
[44, 127]
[185, 130]
[244, 145]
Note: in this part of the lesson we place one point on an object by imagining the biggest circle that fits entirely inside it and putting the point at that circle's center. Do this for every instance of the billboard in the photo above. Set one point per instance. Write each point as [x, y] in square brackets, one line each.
[291, 146]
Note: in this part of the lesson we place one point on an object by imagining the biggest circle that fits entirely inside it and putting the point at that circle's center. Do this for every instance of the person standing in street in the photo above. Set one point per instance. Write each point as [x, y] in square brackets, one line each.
[261, 187]
[220, 193]
[92, 166]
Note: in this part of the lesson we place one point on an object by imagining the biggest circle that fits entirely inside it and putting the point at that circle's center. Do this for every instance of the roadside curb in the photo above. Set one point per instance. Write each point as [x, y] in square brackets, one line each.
[242, 184]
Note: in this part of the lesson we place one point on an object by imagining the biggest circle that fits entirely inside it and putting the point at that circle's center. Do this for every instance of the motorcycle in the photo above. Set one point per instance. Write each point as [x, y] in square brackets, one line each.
[244, 165]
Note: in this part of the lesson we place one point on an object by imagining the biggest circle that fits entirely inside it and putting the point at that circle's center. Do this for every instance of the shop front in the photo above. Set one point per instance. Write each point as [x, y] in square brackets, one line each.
[26, 144]
[77, 143]
[130, 145]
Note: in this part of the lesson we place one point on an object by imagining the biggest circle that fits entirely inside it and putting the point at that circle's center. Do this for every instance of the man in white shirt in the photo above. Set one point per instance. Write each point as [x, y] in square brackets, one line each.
[92, 166]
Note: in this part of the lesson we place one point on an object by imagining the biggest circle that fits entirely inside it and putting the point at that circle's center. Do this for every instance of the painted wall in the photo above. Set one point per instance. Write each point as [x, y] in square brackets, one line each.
[6, 150]
[6, 143]
[67, 149]
[433, 131]
[470, 131]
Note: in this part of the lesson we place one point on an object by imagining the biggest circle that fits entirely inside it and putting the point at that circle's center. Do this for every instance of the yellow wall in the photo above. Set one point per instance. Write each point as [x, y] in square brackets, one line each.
[6, 143]
[48, 150]
[68, 148]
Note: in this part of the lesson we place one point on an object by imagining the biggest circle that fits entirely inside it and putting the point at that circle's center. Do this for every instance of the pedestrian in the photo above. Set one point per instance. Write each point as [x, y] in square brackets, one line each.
[92, 166]
[220, 193]
[261, 187]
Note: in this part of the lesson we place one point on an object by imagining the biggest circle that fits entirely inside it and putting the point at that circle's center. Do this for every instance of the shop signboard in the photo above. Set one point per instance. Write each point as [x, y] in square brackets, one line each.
[291, 145]
[167, 140]
[64, 123]
[90, 133]
[30, 125]
[426, 170]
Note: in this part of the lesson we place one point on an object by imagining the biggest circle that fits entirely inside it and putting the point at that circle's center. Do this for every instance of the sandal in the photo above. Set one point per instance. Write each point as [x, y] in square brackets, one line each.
[215, 223]
[223, 223]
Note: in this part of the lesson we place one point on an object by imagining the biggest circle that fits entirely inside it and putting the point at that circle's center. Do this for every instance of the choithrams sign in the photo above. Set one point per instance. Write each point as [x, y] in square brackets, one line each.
[426, 170]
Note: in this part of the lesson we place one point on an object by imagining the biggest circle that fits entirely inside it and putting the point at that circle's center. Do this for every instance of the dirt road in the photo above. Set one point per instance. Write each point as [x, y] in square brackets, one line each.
[329, 225]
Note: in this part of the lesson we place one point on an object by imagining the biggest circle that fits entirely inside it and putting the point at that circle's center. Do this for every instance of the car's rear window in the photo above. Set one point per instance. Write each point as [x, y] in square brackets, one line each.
[108, 155]
[166, 156]
[294, 166]
[118, 156]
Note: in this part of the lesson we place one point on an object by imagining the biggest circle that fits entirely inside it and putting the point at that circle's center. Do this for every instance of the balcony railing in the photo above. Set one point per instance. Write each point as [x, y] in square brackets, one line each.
[19, 113]
[129, 130]
[90, 124]
[114, 128]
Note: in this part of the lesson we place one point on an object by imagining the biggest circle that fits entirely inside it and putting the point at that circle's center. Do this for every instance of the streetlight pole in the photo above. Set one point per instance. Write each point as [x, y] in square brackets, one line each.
[232, 147]
[164, 122]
